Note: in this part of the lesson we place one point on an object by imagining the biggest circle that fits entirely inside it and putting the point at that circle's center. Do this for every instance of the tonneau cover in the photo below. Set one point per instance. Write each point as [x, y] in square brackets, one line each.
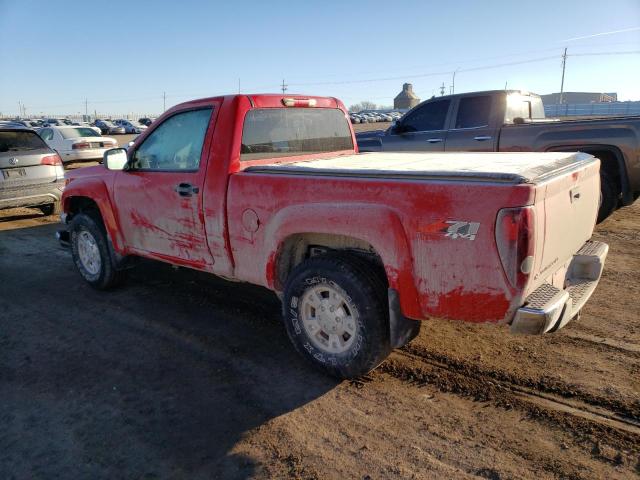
[528, 167]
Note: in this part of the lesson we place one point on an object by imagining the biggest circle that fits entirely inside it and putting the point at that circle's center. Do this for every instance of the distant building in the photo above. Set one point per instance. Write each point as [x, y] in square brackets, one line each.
[579, 97]
[406, 98]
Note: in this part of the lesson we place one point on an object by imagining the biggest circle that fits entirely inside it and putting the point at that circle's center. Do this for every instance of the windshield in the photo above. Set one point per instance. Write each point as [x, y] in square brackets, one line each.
[283, 132]
[20, 140]
[78, 132]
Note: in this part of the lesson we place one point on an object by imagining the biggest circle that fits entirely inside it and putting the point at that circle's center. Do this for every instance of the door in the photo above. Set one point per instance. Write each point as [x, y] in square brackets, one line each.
[159, 198]
[472, 129]
[47, 135]
[421, 130]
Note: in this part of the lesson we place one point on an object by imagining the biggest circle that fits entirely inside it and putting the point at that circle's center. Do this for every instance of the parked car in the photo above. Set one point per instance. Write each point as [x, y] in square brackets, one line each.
[514, 121]
[31, 173]
[76, 143]
[87, 125]
[146, 121]
[132, 126]
[53, 122]
[270, 191]
[109, 128]
[25, 122]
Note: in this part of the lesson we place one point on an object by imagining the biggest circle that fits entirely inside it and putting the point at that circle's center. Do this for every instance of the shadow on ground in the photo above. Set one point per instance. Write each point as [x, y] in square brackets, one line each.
[159, 378]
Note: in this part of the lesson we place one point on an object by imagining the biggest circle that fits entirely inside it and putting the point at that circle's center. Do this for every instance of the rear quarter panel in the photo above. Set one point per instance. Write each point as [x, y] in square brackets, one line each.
[622, 135]
[404, 220]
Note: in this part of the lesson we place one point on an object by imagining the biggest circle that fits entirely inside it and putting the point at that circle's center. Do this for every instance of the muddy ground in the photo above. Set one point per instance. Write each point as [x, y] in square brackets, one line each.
[180, 375]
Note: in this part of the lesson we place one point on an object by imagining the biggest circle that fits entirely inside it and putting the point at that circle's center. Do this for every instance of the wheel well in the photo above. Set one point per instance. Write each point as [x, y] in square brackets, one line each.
[297, 248]
[83, 205]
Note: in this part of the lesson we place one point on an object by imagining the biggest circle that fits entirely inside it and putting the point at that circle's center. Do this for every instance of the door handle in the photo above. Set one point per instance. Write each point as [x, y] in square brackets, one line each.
[434, 140]
[186, 189]
[482, 138]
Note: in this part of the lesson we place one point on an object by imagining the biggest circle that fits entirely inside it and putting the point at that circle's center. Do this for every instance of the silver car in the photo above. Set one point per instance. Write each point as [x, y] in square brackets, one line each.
[31, 174]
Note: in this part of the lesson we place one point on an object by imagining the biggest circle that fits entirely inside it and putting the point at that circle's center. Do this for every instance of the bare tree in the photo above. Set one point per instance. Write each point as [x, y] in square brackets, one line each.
[364, 105]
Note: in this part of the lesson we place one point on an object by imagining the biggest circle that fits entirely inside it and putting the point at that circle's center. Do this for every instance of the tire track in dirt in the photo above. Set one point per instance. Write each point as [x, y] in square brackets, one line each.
[545, 387]
[628, 348]
[596, 428]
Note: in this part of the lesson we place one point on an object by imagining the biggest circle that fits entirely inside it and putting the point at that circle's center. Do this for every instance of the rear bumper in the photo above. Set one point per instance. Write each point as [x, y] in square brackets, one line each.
[32, 195]
[76, 155]
[549, 308]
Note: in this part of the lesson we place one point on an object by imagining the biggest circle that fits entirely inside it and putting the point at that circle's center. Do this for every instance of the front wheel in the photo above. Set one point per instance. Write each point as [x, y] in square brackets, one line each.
[91, 252]
[336, 314]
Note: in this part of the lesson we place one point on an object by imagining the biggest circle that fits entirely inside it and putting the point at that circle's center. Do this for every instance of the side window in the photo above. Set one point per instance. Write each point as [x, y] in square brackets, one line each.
[47, 134]
[430, 116]
[176, 144]
[473, 112]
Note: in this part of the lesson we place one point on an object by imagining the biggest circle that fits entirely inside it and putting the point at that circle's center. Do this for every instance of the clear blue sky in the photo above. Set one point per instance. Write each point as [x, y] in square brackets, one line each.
[122, 55]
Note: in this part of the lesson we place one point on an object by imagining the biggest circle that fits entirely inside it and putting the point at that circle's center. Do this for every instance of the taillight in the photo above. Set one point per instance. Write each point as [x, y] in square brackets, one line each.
[299, 102]
[515, 238]
[53, 160]
[81, 145]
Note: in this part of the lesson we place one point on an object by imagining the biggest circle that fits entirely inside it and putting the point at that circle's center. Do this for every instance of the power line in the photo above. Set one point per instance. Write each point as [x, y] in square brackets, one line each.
[429, 74]
[589, 54]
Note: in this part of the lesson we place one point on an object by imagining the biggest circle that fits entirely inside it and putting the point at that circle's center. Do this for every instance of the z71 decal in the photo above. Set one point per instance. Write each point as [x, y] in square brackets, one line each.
[453, 229]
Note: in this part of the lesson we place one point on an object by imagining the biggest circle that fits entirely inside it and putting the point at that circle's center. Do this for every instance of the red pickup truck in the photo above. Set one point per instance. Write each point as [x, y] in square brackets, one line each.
[270, 190]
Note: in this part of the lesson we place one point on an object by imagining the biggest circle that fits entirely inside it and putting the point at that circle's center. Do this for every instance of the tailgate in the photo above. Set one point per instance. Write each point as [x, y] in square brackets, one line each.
[566, 210]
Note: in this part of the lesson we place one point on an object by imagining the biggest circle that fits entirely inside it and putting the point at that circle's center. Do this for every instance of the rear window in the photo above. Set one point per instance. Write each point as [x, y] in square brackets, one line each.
[78, 132]
[18, 141]
[473, 112]
[284, 132]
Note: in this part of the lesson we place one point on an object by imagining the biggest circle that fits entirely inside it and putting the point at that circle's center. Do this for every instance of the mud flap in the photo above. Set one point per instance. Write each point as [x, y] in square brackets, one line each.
[401, 329]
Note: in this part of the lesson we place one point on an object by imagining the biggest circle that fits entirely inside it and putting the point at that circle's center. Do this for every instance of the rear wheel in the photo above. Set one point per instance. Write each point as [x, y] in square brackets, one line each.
[609, 196]
[91, 252]
[336, 314]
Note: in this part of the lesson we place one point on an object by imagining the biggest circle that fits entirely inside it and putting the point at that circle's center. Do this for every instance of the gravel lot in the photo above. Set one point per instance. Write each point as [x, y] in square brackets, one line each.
[178, 374]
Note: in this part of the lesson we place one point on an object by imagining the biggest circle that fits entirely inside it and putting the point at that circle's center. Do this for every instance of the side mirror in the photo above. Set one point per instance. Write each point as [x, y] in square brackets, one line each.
[115, 159]
[398, 127]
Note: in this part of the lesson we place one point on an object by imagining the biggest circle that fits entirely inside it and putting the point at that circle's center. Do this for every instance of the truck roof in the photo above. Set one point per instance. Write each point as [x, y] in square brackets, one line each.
[269, 100]
[482, 92]
[527, 167]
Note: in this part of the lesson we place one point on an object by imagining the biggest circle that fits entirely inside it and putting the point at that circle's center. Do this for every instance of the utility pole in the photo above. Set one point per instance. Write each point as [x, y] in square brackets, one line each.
[238, 85]
[164, 101]
[442, 89]
[564, 64]
[86, 109]
[284, 86]
[19, 108]
[453, 83]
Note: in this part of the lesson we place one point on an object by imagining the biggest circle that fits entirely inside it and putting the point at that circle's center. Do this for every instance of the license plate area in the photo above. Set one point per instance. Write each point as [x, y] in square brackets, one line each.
[14, 173]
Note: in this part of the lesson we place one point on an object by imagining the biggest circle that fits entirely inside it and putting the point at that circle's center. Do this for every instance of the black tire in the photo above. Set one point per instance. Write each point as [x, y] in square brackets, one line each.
[364, 291]
[50, 209]
[609, 198]
[107, 275]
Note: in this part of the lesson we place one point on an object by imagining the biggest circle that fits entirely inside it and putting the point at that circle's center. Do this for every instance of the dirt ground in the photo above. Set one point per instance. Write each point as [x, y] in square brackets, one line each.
[178, 374]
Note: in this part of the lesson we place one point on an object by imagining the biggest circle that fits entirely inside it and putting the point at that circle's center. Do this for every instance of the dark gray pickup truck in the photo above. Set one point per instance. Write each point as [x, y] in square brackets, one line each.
[514, 121]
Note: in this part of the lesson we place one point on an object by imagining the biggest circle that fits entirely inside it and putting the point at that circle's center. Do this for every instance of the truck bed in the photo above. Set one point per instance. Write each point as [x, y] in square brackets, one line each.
[514, 168]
